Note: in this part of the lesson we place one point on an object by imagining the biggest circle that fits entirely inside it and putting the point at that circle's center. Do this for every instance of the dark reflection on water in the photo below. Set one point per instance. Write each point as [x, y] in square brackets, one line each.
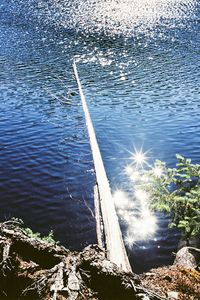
[142, 91]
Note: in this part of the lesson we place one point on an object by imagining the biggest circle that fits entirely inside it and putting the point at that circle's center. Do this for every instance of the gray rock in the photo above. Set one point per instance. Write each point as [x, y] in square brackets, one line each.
[185, 259]
[172, 295]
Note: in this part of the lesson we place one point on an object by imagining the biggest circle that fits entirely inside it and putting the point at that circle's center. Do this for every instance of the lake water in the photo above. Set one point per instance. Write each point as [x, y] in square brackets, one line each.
[140, 69]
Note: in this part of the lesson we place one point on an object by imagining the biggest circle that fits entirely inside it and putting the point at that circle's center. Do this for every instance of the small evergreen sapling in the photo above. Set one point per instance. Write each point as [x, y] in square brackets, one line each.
[176, 191]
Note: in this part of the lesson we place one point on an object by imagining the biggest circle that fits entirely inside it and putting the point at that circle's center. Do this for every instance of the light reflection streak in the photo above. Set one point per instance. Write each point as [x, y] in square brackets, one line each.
[128, 170]
[157, 171]
[141, 195]
[114, 17]
[135, 176]
[134, 210]
[139, 158]
[139, 227]
[121, 200]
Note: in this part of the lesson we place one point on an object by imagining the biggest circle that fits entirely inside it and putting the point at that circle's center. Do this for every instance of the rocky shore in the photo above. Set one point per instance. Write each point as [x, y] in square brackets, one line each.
[32, 268]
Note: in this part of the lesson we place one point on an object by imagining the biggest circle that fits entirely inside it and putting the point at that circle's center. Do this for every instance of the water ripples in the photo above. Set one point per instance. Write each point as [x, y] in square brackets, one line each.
[125, 17]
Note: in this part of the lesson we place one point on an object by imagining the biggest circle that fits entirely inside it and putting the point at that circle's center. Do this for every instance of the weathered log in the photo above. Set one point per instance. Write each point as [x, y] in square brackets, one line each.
[114, 244]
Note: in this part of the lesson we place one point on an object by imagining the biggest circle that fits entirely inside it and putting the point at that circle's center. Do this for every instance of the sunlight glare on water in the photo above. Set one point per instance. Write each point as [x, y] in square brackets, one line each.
[133, 207]
[115, 17]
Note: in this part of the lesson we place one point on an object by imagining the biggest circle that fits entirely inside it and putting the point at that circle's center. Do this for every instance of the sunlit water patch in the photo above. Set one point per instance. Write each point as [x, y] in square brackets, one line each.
[136, 216]
[134, 208]
[121, 17]
[111, 17]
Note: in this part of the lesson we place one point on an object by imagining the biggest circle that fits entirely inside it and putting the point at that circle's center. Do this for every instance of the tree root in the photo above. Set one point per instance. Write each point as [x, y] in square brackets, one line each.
[39, 270]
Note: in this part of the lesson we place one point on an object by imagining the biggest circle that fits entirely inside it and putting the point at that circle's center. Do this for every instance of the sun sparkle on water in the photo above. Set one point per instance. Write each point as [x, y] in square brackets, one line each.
[133, 207]
[128, 170]
[141, 195]
[116, 17]
[157, 171]
[139, 227]
[139, 158]
[121, 199]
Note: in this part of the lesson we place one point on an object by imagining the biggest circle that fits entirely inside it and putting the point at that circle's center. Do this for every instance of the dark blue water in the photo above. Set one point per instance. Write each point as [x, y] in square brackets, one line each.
[46, 166]
[141, 77]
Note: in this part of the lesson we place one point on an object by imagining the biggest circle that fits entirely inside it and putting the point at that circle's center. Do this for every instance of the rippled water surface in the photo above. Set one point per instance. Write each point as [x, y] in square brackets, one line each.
[139, 66]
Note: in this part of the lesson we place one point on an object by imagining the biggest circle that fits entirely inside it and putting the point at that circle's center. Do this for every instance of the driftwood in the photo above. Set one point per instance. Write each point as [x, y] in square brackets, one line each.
[114, 244]
[33, 269]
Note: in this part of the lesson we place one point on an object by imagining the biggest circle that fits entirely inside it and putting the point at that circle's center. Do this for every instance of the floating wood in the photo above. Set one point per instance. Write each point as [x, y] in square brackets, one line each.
[114, 244]
[99, 227]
